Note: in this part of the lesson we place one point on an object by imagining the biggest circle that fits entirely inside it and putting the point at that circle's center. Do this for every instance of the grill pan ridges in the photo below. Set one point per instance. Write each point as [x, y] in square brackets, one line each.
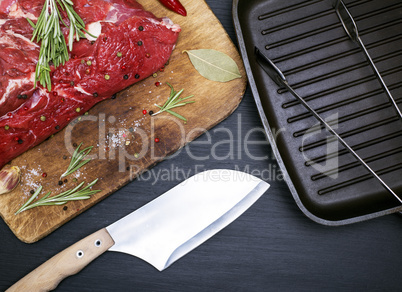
[307, 41]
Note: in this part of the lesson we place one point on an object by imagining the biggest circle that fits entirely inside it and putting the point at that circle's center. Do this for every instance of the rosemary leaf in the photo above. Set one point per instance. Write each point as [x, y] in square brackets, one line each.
[31, 23]
[184, 98]
[174, 101]
[176, 115]
[47, 30]
[77, 160]
[34, 195]
[60, 199]
[172, 92]
[181, 104]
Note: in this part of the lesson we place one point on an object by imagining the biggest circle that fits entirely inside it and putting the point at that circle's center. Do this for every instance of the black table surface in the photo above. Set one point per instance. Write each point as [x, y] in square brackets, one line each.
[272, 246]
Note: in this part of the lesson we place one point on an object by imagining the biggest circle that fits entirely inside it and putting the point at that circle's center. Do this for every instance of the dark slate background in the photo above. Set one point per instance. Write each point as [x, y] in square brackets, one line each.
[273, 246]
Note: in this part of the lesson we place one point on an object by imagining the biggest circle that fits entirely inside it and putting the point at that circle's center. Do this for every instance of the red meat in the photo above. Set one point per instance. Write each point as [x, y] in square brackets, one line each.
[132, 45]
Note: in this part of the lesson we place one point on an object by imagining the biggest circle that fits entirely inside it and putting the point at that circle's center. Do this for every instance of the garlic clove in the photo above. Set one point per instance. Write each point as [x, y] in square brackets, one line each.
[9, 178]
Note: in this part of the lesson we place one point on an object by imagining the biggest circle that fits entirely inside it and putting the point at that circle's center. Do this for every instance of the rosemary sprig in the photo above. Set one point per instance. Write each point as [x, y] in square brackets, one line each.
[74, 194]
[48, 31]
[77, 160]
[174, 101]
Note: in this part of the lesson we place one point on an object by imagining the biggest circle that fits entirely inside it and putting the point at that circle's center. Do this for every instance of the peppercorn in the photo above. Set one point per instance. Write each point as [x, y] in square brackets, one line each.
[65, 180]
[119, 54]
[107, 77]
[151, 113]
[139, 43]
[20, 141]
[60, 182]
[137, 76]
[141, 28]
[43, 118]
[6, 127]
[125, 77]
[75, 145]
[44, 174]
[114, 96]
[65, 208]
[57, 127]
[72, 83]
[89, 63]
[95, 94]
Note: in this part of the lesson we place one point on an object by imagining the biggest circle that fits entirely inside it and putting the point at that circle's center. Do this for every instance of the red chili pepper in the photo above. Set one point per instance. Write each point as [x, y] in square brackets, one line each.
[175, 6]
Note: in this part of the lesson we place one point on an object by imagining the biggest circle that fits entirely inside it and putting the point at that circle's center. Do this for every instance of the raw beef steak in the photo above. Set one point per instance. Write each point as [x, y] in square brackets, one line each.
[131, 45]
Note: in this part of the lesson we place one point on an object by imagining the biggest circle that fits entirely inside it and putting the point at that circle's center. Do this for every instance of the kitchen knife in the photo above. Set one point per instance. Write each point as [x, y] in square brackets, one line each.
[160, 232]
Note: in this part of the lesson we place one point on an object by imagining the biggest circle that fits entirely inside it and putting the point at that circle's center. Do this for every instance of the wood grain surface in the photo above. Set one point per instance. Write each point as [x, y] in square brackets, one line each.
[69, 262]
[122, 136]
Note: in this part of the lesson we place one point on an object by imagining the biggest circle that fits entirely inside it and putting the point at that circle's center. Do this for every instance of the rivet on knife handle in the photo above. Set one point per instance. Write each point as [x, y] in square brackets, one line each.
[66, 263]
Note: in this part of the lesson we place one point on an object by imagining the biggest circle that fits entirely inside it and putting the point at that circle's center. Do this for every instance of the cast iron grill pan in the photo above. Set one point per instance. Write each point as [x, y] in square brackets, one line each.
[307, 42]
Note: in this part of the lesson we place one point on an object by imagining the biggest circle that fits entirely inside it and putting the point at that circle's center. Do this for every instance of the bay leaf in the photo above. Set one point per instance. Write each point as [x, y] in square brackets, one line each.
[214, 65]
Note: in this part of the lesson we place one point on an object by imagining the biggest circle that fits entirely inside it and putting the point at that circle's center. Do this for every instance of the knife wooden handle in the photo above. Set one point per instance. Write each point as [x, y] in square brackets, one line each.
[66, 263]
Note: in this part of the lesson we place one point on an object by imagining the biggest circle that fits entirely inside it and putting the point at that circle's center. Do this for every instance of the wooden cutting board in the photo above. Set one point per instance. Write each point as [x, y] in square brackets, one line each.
[122, 136]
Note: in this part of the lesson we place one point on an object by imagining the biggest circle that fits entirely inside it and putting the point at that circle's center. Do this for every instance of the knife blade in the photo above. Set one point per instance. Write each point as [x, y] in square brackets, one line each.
[161, 231]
